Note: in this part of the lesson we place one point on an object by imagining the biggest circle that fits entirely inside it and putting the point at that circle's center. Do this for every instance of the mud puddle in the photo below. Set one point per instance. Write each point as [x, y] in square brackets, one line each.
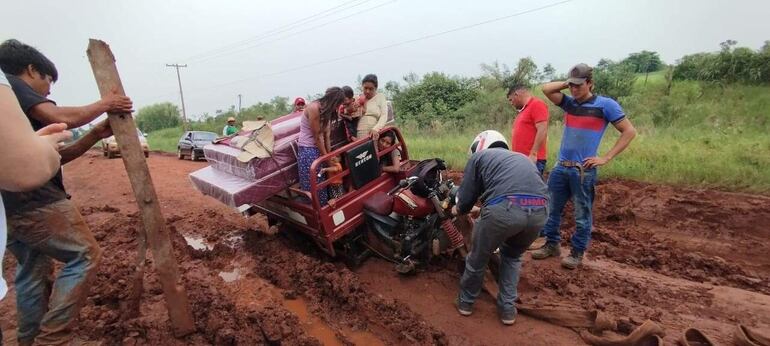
[198, 243]
[318, 329]
[238, 277]
[233, 275]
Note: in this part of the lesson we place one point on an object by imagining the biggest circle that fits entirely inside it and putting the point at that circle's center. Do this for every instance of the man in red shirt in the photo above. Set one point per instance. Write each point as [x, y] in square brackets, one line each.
[530, 128]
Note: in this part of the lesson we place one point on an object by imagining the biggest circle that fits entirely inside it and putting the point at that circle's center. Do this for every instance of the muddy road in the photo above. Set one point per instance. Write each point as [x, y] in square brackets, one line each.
[681, 257]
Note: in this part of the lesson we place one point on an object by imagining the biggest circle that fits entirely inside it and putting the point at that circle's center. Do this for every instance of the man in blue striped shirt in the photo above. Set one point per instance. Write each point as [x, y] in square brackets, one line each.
[585, 119]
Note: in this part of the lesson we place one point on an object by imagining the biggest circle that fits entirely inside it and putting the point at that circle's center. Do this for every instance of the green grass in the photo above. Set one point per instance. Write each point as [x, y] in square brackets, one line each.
[732, 160]
[691, 157]
[164, 140]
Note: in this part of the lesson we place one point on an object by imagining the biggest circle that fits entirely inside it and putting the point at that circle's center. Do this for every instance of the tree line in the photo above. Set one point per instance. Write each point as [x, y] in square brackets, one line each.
[437, 98]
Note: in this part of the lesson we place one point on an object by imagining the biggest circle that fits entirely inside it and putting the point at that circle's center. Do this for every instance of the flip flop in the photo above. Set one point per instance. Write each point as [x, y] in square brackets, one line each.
[747, 337]
[644, 333]
[650, 340]
[694, 337]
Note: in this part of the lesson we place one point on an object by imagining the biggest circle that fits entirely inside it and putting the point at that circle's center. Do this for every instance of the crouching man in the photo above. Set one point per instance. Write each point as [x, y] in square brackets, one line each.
[514, 209]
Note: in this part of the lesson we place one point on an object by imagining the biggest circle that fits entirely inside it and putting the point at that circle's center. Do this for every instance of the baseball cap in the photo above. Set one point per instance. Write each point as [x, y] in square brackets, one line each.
[299, 101]
[230, 119]
[579, 73]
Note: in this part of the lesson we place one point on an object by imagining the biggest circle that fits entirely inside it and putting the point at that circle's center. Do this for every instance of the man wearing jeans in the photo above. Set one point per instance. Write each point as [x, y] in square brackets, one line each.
[514, 210]
[43, 225]
[586, 117]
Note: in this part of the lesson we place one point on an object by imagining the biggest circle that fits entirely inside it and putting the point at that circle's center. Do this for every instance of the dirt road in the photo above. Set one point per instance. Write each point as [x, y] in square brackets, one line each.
[681, 257]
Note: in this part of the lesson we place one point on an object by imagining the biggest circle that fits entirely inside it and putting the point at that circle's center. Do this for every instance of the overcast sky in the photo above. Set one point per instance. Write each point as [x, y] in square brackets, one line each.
[260, 49]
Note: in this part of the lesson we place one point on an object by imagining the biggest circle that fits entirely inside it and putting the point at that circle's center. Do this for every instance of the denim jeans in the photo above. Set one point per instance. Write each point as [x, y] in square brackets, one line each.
[565, 183]
[56, 231]
[510, 228]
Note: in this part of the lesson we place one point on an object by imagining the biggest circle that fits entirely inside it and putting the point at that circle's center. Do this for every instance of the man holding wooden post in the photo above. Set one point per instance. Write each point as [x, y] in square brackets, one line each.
[44, 224]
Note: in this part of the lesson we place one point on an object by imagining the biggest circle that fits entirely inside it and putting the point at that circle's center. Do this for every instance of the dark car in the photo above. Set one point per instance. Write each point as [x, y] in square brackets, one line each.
[192, 142]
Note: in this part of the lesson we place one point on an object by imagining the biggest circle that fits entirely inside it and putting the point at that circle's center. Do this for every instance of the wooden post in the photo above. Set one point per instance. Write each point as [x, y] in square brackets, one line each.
[108, 80]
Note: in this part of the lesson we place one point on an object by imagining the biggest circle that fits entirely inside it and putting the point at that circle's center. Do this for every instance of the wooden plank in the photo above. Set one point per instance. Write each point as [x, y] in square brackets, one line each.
[108, 80]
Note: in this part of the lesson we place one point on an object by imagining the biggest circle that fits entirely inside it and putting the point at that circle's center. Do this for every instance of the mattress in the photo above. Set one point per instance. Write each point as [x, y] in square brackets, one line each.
[235, 191]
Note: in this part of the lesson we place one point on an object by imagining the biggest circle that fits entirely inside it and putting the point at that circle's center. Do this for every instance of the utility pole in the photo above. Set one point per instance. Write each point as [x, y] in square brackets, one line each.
[181, 94]
[239, 103]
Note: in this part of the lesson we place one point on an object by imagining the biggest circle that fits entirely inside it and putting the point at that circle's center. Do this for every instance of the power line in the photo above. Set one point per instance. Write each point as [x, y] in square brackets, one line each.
[279, 29]
[214, 56]
[421, 38]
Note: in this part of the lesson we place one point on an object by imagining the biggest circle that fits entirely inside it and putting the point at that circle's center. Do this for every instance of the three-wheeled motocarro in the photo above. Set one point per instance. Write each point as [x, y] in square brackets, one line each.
[403, 217]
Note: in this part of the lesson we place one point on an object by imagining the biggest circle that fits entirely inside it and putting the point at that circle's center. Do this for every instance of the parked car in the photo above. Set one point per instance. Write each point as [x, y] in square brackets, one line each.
[191, 144]
[111, 149]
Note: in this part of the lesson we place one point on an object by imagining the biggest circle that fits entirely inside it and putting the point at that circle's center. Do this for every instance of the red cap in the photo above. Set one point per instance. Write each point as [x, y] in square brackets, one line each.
[299, 101]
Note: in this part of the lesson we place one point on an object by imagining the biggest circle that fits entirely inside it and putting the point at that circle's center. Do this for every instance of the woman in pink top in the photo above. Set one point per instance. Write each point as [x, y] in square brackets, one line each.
[314, 134]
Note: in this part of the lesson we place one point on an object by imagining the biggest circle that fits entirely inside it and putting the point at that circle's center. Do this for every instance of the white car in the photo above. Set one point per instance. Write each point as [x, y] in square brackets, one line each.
[111, 149]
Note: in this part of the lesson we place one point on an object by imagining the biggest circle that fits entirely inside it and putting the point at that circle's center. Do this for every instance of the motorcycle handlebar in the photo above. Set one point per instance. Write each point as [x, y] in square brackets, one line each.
[404, 183]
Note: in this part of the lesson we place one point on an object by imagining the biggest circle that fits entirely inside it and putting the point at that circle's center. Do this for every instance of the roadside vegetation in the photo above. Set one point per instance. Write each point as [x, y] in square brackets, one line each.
[702, 122]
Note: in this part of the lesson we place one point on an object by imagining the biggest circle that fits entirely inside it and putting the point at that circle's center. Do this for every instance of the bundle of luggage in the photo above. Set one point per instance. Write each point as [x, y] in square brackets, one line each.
[257, 162]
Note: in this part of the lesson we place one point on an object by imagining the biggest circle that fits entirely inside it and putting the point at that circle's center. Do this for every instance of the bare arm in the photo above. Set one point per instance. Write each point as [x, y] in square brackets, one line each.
[395, 167]
[30, 160]
[627, 134]
[327, 138]
[49, 113]
[553, 90]
[314, 116]
[540, 137]
[74, 150]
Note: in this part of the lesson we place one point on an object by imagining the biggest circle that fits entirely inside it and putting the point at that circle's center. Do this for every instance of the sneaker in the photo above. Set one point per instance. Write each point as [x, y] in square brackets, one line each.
[572, 261]
[508, 317]
[464, 309]
[548, 250]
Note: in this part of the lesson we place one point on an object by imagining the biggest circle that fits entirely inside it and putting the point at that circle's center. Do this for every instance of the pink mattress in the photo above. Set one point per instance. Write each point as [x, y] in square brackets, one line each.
[236, 183]
[235, 191]
[225, 159]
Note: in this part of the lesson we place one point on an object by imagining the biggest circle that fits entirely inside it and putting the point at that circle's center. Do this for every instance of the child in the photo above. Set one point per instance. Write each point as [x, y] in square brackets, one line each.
[336, 189]
[350, 116]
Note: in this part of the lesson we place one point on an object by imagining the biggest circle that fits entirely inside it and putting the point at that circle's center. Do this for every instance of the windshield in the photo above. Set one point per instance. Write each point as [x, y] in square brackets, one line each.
[204, 136]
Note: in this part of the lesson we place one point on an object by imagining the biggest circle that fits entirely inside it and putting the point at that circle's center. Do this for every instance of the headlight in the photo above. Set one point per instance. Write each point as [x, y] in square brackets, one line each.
[453, 195]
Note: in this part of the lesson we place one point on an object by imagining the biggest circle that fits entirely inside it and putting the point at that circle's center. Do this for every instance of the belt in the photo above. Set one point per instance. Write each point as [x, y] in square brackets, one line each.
[519, 200]
[574, 164]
